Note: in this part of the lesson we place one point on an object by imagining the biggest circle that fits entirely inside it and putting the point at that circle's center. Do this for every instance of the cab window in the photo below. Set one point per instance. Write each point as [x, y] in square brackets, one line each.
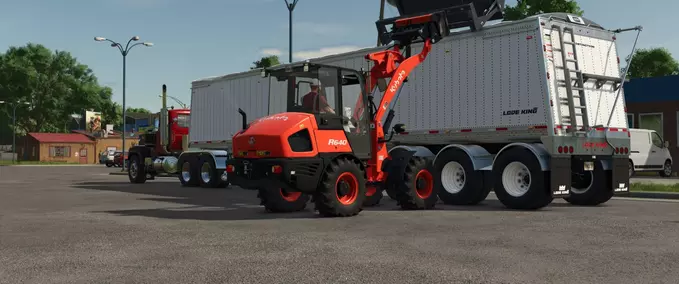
[656, 140]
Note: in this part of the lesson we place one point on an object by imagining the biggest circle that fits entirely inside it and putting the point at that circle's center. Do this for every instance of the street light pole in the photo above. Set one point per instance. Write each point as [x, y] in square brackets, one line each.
[14, 126]
[291, 7]
[124, 52]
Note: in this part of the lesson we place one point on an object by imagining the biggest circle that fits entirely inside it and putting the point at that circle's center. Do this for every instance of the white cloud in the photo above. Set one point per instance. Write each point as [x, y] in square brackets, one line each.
[271, 51]
[325, 51]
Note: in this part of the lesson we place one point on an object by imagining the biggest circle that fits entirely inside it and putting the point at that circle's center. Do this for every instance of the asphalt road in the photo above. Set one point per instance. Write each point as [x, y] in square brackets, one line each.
[78, 224]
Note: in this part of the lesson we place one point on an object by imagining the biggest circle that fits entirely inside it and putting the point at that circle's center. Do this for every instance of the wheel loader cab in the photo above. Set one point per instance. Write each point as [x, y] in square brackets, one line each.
[325, 118]
[333, 95]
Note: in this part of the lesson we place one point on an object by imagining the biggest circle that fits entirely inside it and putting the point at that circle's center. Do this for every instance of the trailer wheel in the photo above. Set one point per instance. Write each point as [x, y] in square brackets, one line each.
[187, 175]
[418, 190]
[459, 183]
[137, 170]
[373, 196]
[520, 183]
[210, 177]
[278, 200]
[591, 188]
[342, 190]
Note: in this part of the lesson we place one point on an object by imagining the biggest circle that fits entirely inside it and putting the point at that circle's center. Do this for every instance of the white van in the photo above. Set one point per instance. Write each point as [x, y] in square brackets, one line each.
[649, 152]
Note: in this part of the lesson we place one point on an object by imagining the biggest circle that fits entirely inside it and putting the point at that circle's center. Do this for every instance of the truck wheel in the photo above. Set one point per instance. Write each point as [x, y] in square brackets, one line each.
[342, 190]
[373, 196]
[459, 183]
[210, 177]
[137, 170]
[591, 188]
[277, 200]
[667, 169]
[418, 190]
[187, 175]
[520, 183]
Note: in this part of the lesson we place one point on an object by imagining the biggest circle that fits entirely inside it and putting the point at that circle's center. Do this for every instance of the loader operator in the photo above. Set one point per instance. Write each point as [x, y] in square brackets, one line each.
[316, 102]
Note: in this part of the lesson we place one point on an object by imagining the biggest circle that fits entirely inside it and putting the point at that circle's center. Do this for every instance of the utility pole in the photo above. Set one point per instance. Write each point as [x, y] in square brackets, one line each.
[381, 18]
[291, 7]
[124, 51]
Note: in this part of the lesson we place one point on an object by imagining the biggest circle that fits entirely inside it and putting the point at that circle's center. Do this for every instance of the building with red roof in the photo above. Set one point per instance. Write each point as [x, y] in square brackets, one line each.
[76, 147]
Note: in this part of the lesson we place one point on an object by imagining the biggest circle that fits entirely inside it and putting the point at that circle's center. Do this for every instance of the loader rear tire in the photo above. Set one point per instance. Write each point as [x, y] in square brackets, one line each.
[277, 200]
[417, 191]
[341, 192]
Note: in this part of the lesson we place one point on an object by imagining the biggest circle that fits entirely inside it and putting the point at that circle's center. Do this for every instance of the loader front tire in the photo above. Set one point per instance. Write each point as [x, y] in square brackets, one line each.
[341, 192]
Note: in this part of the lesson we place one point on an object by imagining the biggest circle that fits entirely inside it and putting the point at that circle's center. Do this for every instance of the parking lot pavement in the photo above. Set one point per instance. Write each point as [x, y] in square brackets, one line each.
[78, 224]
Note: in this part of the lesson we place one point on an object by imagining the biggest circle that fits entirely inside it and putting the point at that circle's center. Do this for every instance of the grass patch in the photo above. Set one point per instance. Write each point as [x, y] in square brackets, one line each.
[9, 163]
[652, 187]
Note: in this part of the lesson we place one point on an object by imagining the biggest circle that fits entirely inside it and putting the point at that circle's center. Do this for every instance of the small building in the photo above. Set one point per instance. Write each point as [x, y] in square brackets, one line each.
[653, 103]
[110, 142]
[56, 147]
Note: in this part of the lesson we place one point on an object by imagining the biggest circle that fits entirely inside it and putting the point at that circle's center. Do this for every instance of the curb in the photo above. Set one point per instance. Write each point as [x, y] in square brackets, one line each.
[652, 195]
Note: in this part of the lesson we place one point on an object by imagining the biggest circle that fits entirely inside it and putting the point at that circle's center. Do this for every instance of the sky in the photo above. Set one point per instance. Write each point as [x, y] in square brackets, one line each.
[204, 38]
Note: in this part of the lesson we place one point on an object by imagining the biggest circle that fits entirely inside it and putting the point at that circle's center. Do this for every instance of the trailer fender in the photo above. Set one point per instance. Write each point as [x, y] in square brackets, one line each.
[218, 156]
[418, 151]
[479, 156]
[538, 150]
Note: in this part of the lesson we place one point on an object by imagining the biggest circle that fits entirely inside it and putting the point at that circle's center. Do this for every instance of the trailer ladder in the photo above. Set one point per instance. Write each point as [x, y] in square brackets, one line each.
[571, 84]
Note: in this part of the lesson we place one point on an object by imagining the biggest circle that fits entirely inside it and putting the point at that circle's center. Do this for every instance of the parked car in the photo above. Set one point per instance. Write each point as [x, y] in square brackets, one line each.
[649, 153]
[118, 158]
[107, 157]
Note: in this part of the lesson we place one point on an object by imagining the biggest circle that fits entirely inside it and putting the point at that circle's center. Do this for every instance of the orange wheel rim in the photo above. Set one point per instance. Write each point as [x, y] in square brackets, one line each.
[424, 184]
[290, 196]
[346, 188]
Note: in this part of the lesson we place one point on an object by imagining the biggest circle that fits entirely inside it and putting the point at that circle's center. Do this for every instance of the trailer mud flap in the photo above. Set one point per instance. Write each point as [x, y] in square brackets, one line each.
[560, 177]
[620, 176]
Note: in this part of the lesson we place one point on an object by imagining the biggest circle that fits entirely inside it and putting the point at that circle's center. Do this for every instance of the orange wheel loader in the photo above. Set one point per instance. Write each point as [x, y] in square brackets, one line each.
[328, 145]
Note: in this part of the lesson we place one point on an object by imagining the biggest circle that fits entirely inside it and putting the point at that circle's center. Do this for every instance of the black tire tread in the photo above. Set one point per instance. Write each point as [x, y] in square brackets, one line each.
[141, 172]
[325, 198]
[406, 195]
[474, 191]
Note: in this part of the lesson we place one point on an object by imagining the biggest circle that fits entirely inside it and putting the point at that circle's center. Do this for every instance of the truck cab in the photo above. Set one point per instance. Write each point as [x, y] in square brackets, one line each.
[649, 152]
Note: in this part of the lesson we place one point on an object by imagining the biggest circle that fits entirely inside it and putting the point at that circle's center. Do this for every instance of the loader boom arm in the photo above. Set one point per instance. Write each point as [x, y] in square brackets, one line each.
[429, 28]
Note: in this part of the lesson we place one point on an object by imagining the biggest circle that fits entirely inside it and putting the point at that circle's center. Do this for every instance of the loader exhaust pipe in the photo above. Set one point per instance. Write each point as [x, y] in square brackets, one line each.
[245, 118]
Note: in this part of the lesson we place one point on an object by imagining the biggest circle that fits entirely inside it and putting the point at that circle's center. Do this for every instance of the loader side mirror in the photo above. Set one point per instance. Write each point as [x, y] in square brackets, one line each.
[382, 84]
[399, 128]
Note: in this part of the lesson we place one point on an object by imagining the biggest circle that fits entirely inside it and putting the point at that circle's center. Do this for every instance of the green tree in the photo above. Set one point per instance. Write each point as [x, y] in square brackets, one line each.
[527, 8]
[54, 83]
[266, 61]
[653, 62]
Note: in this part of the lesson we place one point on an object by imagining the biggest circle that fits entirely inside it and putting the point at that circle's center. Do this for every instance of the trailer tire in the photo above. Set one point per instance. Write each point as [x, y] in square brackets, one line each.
[417, 192]
[519, 180]
[591, 188]
[277, 200]
[458, 182]
[372, 198]
[187, 174]
[137, 170]
[341, 192]
[209, 172]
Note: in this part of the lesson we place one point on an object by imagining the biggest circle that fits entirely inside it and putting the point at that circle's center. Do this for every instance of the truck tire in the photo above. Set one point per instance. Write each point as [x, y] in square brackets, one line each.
[591, 188]
[519, 181]
[341, 192]
[187, 174]
[137, 170]
[277, 200]
[417, 190]
[458, 182]
[372, 196]
[210, 176]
